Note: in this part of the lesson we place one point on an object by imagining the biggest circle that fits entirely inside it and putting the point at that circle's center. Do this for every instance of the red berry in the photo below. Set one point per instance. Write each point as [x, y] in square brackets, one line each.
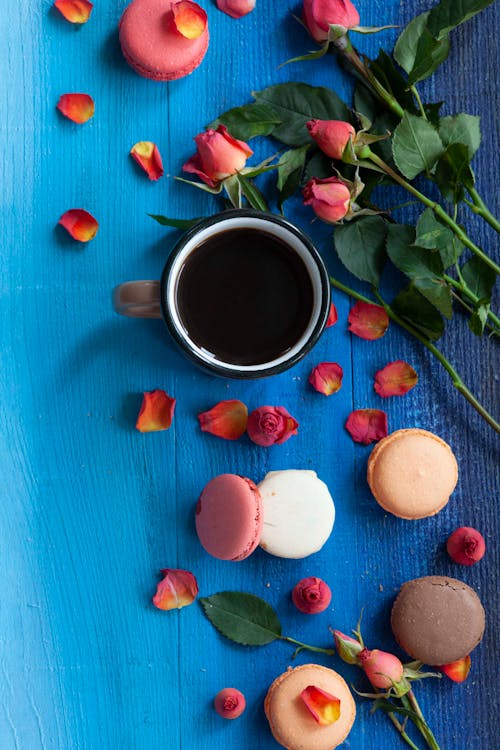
[229, 703]
[466, 546]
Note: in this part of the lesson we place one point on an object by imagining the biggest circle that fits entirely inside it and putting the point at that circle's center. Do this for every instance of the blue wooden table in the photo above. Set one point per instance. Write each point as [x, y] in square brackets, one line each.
[91, 510]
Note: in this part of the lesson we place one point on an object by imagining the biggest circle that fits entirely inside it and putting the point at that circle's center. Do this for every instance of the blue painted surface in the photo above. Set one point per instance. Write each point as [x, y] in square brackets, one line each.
[91, 509]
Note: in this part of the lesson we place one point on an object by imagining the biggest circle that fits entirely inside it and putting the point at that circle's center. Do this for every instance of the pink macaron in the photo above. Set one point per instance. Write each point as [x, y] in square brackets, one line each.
[229, 517]
[163, 40]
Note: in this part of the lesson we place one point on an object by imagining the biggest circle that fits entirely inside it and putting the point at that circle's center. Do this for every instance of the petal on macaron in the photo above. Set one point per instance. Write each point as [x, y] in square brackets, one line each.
[457, 671]
[157, 412]
[76, 107]
[324, 707]
[190, 20]
[326, 378]
[74, 11]
[177, 589]
[395, 379]
[146, 154]
[79, 224]
[332, 316]
[227, 419]
[368, 321]
[367, 425]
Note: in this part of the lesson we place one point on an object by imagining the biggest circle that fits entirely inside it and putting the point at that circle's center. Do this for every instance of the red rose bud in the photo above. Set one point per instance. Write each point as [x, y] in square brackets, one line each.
[74, 11]
[458, 671]
[347, 648]
[157, 412]
[466, 546]
[219, 155]
[147, 156]
[229, 703]
[330, 199]
[236, 8]
[382, 669]
[76, 107]
[177, 589]
[189, 19]
[395, 379]
[227, 419]
[81, 225]
[326, 378]
[319, 14]
[271, 425]
[333, 316]
[332, 136]
[311, 595]
[368, 321]
[324, 707]
[367, 425]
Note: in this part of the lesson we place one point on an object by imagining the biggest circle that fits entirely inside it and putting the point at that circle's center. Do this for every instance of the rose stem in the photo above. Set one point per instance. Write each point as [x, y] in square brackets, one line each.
[464, 289]
[410, 702]
[479, 207]
[401, 731]
[306, 647]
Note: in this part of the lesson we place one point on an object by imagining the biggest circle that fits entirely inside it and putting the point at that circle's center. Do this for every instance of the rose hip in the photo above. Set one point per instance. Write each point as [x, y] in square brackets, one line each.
[229, 703]
[466, 546]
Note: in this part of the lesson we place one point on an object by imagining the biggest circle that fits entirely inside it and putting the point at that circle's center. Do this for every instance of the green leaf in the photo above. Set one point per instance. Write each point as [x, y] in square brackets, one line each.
[295, 104]
[449, 14]
[252, 193]
[390, 76]
[405, 49]
[232, 186]
[453, 172]
[290, 169]
[479, 277]
[478, 319]
[243, 618]
[319, 166]
[416, 310]
[365, 103]
[432, 112]
[434, 235]
[360, 246]
[248, 121]
[177, 223]
[461, 129]
[416, 50]
[416, 146]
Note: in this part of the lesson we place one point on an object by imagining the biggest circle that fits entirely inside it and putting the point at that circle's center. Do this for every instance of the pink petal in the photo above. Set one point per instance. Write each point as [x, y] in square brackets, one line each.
[324, 707]
[332, 316]
[395, 379]
[79, 224]
[227, 419]
[146, 154]
[367, 425]
[326, 378]
[74, 11]
[177, 589]
[76, 107]
[368, 321]
[157, 412]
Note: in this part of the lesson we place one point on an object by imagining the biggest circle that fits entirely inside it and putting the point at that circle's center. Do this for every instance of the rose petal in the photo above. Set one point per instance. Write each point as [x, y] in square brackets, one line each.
[190, 20]
[79, 224]
[146, 154]
[236, 8]
[324, 707]
[367, 321]
[395, 379]
[326, 378]
[74, 11]
[457, 671]
[157, 412]
[176, 590]
[76, 107]
[367, 425]
[227, 419]
[332, 316]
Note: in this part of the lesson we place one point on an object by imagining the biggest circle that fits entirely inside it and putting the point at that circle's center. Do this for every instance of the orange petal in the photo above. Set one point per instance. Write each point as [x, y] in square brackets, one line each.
[146, 154]
[157, 412]
[324, 707]
[74, 11]
[367, 425]
[332, 316]
[190, 20]
[368, 321]
[76, 107]
[227, 419]
[176, 590]
[457, 671]
[80, 224]
[326, 378]
[395, 379]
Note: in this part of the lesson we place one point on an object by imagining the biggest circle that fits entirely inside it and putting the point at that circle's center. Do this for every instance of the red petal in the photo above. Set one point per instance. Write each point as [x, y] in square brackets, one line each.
[74, 11]
[177, 589]
[326, 378]
[324, 707]
[332, 316]
[457, 671]
[157, 412]
[367, 425]
[227, 419]
[368, 321]
[190, 20]
[395, 379]
[80, 224]
[146, 154]
[76, 107]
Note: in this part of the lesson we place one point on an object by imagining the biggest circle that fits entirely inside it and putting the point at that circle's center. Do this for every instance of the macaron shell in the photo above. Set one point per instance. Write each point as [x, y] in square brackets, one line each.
[412, 473]
[291, 722]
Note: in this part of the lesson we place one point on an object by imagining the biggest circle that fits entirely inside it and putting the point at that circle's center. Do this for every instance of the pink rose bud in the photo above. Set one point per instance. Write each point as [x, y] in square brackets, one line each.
[347, 648]
[382, 669]
[177, 589]
[311, 595]
[330, 198]
[319, 14]
[219, 155]
[271, 425]
[466, 546]
[229, 703]
[332, 136]
[236, 8]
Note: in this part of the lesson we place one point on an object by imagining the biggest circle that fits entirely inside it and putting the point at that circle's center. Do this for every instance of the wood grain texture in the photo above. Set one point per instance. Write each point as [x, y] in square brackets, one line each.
[91, 509]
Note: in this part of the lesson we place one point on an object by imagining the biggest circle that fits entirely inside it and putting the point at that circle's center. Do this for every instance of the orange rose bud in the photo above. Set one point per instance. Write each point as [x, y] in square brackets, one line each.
[227, 419]
[333, 316]
[147, 156]
[190, 20]
[79, 224]
[368, 321]
[332, 136]
[395, 379]
[176, 590]
[74, 11]
[367, 425]
[157, 412]
[76, 107]
[324, 707]
[458, 671]
[326, 378]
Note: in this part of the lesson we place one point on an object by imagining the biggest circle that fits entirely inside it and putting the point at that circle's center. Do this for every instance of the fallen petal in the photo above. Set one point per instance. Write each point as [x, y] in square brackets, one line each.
[190, 20]
[457, 671]
[326, 378]
[157, 412]
[332, 316]
[227, 419]
[367, 321]
[395, 379]
[79, 224]
[177, 589]
[367, 425]
[148, 157]
[76, 107]
[74, 11]
[324, 707]
[236, 8]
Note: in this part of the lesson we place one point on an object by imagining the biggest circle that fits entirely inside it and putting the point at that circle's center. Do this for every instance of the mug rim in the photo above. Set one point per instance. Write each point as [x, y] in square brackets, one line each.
[221, 368]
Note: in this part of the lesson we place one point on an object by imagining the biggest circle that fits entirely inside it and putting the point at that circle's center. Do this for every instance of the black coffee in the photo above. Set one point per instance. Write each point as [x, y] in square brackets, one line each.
[244, 296]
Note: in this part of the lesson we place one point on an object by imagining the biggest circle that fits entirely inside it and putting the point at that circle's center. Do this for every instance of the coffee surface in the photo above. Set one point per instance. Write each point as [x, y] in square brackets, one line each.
[244, 296]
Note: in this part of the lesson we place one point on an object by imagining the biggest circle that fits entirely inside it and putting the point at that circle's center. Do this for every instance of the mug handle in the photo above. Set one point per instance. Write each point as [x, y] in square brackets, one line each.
[138, 299]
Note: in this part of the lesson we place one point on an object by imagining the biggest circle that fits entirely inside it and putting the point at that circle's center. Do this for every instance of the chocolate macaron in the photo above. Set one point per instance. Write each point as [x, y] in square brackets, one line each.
[437, 619]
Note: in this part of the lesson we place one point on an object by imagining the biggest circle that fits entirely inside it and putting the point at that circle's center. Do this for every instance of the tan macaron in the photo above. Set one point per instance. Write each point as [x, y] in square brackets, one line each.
[291, 722]
[412, 473]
